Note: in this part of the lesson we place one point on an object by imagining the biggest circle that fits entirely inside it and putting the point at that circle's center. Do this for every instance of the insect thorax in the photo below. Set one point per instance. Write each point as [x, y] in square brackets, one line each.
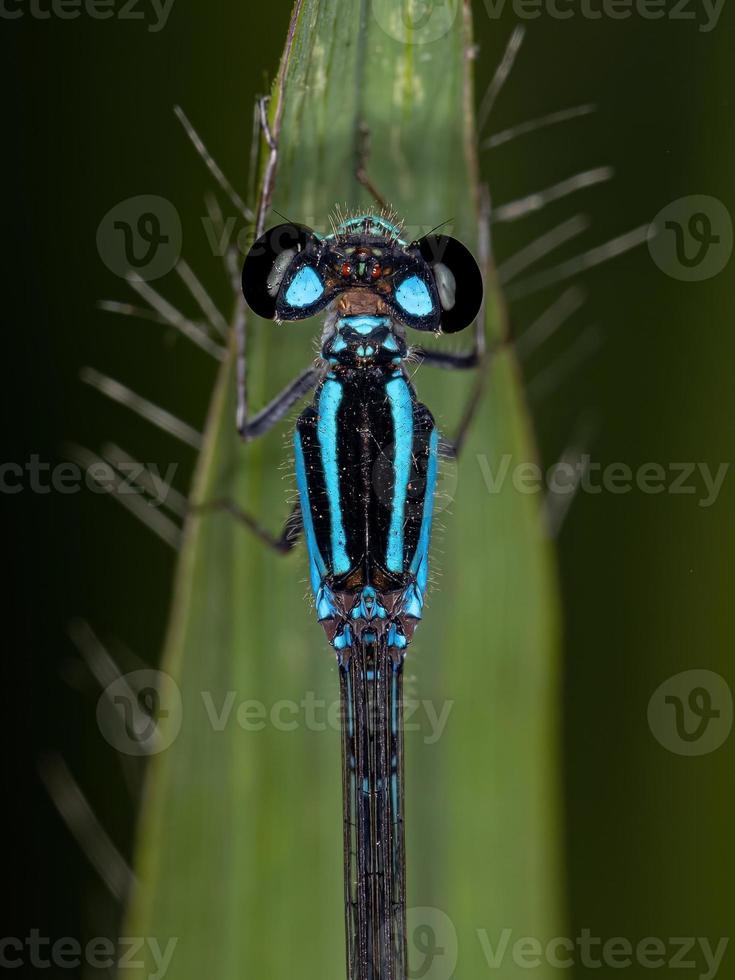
[366, 469]
[359, 332]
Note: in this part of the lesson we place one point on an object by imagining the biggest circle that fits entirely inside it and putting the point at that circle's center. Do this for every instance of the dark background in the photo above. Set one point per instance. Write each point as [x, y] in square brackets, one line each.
[646, 579]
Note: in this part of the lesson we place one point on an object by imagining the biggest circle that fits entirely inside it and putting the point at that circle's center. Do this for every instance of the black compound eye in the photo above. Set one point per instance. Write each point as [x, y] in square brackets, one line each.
[458, 280]
[267, 267]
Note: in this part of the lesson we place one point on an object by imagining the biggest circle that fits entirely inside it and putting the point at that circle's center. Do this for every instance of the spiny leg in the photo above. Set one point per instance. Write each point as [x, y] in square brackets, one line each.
[269, 177]
[273, 412]
[451, 361]
[451, 448]
[361, 171]
[465, 361]
[264, 420]
[251, 428]
[282, 543]
[272, 133]
[474, 359]
[479, 357]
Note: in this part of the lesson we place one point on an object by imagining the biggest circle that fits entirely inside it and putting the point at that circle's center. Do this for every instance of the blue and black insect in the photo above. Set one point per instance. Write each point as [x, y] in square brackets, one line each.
[366, 455]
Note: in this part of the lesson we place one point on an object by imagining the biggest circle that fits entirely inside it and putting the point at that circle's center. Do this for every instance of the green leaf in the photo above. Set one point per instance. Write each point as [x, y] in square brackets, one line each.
[239, 851]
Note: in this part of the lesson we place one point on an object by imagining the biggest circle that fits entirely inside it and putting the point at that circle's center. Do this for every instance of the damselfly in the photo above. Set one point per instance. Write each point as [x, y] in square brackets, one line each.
[366, 454]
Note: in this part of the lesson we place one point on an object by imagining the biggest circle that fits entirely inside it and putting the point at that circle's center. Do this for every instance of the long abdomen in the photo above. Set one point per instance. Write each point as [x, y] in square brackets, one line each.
[372, 784]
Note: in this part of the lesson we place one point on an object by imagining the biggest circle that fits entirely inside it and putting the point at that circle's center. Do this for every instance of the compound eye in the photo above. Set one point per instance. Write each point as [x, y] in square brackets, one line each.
[376, 271]
[268, 264]
[414, 297]
[346, 270]
[458, 280]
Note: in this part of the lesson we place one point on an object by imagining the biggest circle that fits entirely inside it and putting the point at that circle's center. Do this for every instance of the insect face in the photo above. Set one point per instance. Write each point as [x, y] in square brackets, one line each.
[433, 284]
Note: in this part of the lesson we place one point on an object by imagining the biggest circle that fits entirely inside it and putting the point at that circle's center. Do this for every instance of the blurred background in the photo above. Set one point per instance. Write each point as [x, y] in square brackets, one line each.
[640, 375]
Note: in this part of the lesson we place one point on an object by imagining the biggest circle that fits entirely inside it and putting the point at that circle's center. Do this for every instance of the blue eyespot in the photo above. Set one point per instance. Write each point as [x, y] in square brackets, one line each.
[305, 289]
[414, 296]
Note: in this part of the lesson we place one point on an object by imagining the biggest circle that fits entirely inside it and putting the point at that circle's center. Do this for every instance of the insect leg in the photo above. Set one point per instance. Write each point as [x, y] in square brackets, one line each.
[269, 177]
[249, 429]
[266, 418]
[451, 448]
[450, 362]
[282, 543]
[475, 358]
[361, 172]
[274, 411]
[482, 357]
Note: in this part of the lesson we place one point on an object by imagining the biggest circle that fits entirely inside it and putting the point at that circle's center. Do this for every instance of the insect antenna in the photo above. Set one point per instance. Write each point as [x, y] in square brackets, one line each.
[437, 227]
[281, 215]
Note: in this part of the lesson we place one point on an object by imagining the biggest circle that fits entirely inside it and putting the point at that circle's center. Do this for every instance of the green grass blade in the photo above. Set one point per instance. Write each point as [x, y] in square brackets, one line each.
[239, 849]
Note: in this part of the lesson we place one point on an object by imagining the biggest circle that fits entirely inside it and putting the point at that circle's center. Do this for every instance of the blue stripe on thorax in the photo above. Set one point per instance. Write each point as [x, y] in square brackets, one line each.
[317, 568]
[326, 431]
[420, 563]
[401, 407]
